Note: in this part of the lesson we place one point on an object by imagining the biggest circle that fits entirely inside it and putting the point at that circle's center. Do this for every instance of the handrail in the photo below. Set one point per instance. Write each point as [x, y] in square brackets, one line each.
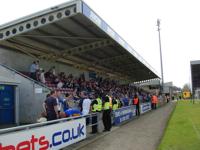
[30, 126]
[11, 69]
[130, 106]
[124, 107]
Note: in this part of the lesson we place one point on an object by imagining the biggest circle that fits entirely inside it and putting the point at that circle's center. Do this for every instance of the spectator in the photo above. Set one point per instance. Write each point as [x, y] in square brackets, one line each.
[37, 65]
[140, 98]
[56, 80]
[42, 118]
[44, 106]
[42, 77]
[60, 84]
[70, 113]
[125, 100]
[64, 102]
[53, 71]
[38, 75]
[82, 97]
[136, 102]
[33, 70]
[37, 70]
[154, 101]
[59, 100]
[86, 104]
[168, 98]
[148, 98]
[51, 107]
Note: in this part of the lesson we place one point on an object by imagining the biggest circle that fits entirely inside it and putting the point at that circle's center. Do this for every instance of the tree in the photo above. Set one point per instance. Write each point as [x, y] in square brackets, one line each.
[186, 88]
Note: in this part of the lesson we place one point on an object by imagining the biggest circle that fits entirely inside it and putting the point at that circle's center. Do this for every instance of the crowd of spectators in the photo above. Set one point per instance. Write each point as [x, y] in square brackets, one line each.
[81, 92]
[74, 85]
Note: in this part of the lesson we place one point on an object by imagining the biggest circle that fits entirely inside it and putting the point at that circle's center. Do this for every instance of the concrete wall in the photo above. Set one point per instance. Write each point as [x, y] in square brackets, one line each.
[22, 62]
[31, 96]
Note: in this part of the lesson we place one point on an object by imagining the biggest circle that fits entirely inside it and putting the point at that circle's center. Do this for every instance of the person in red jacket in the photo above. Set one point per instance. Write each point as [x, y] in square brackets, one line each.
[154, 101]
[137, 104]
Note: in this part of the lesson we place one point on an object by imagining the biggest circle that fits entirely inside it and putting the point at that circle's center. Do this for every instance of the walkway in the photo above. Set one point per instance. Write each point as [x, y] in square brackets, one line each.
[143, 133]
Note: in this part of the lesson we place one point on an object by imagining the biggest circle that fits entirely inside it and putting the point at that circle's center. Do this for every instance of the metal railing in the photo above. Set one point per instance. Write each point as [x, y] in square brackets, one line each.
[36, 125]
[21, 74]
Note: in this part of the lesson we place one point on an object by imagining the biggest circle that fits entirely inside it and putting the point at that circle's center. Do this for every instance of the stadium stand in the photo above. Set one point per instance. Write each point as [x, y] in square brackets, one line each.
[70, 37]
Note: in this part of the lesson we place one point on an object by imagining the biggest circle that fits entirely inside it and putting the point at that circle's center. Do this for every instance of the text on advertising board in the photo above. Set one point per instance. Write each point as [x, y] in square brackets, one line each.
[44, 139]
[145, 107]
[123, 114]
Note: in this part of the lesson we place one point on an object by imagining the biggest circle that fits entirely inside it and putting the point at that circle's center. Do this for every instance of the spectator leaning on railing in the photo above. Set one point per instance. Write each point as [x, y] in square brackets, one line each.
[86, 105]
[51, 106]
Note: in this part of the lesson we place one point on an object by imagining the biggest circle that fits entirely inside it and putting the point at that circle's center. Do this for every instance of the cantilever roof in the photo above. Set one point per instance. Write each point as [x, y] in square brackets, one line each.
[74, 34]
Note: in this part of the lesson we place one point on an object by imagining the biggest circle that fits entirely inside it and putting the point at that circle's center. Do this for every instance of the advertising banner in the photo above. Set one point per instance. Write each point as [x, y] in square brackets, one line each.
[123, 114]
[53, 137]
[144, 107]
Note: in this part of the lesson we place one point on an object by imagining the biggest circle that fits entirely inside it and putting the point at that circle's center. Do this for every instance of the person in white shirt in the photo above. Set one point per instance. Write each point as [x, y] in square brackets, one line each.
[54, 71]
[60, 84]
[59, 104]
[86, 104]
[42, 77]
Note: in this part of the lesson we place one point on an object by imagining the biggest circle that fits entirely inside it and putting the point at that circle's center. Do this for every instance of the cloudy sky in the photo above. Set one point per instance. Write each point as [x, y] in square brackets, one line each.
[135, 21]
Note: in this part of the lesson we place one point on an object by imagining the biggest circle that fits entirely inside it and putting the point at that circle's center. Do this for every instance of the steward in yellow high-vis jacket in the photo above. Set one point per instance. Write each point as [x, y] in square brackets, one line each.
[99, 105]
[115, 104]
[95, 107]
[107, 114]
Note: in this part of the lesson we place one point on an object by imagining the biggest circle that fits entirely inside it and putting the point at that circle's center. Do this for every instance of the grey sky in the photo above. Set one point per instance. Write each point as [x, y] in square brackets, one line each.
[135, 21]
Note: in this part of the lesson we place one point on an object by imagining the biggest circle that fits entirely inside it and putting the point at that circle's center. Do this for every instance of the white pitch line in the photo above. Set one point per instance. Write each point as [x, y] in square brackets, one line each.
[195, 129]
